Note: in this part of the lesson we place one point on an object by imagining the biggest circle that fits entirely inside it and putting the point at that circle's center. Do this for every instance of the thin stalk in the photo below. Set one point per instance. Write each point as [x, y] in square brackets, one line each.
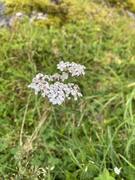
[28, 145]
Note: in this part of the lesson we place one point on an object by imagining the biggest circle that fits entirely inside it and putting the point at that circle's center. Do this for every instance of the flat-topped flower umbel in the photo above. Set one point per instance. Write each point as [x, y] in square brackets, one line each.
[53, 86]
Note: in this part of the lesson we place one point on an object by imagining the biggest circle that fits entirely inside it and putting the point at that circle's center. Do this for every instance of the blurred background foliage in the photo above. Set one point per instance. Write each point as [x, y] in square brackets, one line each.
[63, 11]
[83, 140]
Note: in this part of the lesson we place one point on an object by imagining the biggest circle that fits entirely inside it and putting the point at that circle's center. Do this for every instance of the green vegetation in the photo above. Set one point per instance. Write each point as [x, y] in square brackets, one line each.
[79, 141]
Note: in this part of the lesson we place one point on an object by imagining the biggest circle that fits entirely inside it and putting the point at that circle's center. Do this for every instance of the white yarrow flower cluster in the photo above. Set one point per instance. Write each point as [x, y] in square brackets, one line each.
[53, 86]
[72, 68]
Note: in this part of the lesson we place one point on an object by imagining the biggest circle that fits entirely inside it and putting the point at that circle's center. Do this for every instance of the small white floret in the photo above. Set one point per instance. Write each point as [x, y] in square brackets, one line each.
[117, 170]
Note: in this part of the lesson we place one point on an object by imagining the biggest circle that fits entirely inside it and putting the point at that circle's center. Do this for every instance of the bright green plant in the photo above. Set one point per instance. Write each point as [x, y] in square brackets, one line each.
[104, 176]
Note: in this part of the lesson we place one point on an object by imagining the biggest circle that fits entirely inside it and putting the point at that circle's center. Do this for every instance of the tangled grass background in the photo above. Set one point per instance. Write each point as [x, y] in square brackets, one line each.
[92, 138]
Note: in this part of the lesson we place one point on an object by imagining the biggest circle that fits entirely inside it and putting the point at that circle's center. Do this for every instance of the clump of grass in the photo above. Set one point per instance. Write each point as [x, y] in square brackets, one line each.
[82, 140]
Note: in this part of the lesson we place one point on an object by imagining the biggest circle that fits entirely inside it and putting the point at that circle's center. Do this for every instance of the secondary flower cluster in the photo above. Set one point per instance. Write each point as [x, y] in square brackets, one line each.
[72, 68]
[53, 86]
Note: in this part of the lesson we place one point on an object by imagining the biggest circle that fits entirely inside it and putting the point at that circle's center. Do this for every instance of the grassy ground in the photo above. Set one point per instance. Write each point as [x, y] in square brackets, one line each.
[82, 140]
